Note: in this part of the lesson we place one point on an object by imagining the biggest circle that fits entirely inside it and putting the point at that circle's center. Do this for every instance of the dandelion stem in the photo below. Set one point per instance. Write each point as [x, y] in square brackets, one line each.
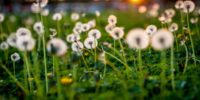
[191, 40]
[87, 67]
[123, 54]
[14, 69]
[45, 64]
[172, 68]
[186, 58]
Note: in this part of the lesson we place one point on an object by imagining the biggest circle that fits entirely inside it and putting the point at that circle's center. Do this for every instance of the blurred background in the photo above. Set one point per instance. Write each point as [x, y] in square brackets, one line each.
[15, 6]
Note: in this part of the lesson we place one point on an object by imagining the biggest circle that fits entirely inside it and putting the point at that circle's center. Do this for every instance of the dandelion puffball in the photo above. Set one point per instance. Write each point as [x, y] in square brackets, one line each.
[85, 27]
[179, 4]
[92, 23]
[39, 28]
[73, 38]
[15, 57]
[117, 33]
[173, 27]
[97, 13]
[189, 6]
[163, 39]
[109, 28]
[57, 16]
[57, 46]
[151, 29]
[90, 43]
[23, 32]
[75, 16]
[4, 46]
[1, 17]
[35, 8]
[137, 39]
[95, 33]
[112, 19]
[25, 43]
[77, 46]
[194, 20]
[12, 39]
[45, 12]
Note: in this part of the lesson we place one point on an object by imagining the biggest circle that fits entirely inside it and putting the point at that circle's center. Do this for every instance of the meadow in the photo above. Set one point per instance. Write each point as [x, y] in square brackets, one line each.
[148, 53]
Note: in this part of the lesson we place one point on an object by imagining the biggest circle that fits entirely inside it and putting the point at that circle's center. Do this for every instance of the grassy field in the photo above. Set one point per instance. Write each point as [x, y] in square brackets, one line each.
[111, 70]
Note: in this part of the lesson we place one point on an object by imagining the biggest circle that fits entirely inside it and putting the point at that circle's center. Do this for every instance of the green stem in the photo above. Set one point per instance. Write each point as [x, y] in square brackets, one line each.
[123, 54]
[87, 67]
[172, 68]
[14, 69]
[186, 58]
[45, 64]
[191, 40]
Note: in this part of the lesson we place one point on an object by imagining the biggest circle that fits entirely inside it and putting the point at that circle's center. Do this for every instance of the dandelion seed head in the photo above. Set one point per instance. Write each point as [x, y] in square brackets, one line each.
[137, 39]
[90, 43]
[4, 46]
[112, 19]
[57, 46]
[92, 23]
[75, 16]
[77, 46]
[109, 28]
[23, 32]
[151, 29]
[98, 13]
[179, 4]
[45, 12]
[39, 28]
[35, 8]
[41, 3]
[12, 39]
[173, 27]
[194, 20]
[170, 13]
[163, 39]
[15, 57]
[95, 33]
[2, 17]
[189, 6]
[57, 16]
[85, 27]
[117, 33]
[25, 43]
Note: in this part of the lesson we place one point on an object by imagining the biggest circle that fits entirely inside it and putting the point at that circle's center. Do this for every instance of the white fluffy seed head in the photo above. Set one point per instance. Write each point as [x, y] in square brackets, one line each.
[25, 43]
[194, 20]
[85, 27]
[189, 6]
[137, 39]
[4, 46]
[112, 19]
[39, 28]
[12, 39]
[77, 46]
[41, 3]
[73, 38]
[92, 23]
[95, 33]
[117, 33]
[173, 27]
[35, 8]
[163, 39]
[1, 17]
[75, 16]
[90, 43]
[109, 28]
[98, 13]
[179, 4]
[57, 16]
[45, 12]
[23, 32]
[151, 29]
[57, 46]
[15, 57]
[170, 12]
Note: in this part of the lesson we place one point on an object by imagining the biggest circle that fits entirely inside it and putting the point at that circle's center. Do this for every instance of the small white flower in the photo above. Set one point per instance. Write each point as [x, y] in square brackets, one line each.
[77, 30]
[45, 12]
[23, 32]
[25, 43]
[85, 27]
[57, 16]
[1, 17]
[77, 46]
[15, 57]
[170, 13]
[163, 39]
[39, 28]
[12, 39]
[75, 16]
[57, 46]
[189, 6]
[79, 24]
[179, 4]
[173, 27]
[73, 38]
[117, 33]
[95, 33]
[4, 46]
[151, 29]
[112, 19]
[90, 43]
[137, 39]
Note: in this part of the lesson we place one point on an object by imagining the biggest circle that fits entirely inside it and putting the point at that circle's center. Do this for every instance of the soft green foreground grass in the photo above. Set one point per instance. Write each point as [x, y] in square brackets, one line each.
[105, 82]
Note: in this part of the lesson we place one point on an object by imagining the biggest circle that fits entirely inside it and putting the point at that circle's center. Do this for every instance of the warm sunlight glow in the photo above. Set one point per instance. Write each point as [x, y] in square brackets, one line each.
[136, 1]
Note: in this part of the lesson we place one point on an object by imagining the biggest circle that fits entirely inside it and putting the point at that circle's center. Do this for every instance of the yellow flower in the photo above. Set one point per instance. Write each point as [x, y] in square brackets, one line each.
[66, 80]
